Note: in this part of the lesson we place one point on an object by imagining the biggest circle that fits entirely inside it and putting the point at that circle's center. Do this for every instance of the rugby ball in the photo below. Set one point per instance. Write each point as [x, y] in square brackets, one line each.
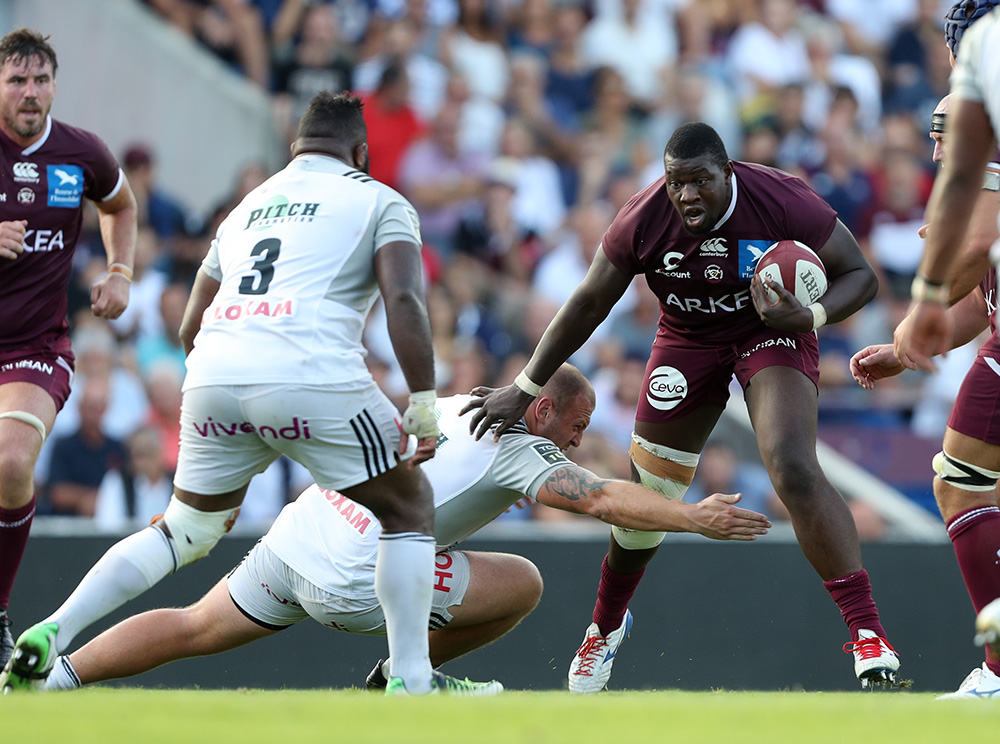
[796, 267]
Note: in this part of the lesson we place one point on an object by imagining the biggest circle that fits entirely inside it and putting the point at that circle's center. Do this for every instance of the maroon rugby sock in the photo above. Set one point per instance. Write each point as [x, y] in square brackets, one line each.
[975, 534]
[14, 527]
[613, 595]
[853, 595]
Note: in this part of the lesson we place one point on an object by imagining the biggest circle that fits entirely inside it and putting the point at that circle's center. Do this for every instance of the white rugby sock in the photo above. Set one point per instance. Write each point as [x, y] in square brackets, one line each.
[404, 583]
[63, 676]
[130, 567]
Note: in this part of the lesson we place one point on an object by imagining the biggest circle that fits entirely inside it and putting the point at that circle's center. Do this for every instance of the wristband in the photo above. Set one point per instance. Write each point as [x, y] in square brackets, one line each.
[123, 269]
[526, 385]
[924, 290]
[819, 314]
[423, 398]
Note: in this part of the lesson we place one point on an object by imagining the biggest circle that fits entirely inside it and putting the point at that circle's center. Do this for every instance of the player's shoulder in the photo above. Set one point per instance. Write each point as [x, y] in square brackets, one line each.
[67, 136]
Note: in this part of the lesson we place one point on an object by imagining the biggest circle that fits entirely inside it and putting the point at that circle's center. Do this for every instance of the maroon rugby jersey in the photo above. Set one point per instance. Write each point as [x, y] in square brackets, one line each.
[703, 281]
[44, 184]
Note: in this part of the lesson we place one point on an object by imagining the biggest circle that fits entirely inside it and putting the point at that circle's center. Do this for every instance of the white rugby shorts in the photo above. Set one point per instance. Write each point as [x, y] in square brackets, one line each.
[274, 596]
[229, 433]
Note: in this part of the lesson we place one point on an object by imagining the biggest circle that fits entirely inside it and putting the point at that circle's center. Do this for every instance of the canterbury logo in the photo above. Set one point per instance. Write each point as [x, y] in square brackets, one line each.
[714, 247]
[25, 171]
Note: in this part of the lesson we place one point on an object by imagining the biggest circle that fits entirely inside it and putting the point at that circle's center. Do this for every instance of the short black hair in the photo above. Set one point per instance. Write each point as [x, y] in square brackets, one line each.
[565, 385]
[25, 43]
[695, 139]
[336, 116]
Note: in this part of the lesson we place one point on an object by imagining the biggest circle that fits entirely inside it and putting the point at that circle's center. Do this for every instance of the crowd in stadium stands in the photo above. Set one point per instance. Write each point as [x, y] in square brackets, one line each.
[518, 128]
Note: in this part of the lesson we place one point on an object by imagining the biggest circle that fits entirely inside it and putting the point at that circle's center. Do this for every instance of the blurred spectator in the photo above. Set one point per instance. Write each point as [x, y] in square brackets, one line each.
[156, 209]
[637, 42]
[164, 345]
[800, 149]
[232, 29]
[139, 489]
[141, 318]
[539, 206]
[163, 387]
[917, 66]
[318, 61]
[490, 231]
[481, 119]
[831, 69]
[840, 179]
[426, 75]
[473, 47]
[569, 87]
[530, 28]
[81, 459]
[392, 124]
[868, 26]
[441, 181]
[617, 390]
[891, 239]
[765, 55]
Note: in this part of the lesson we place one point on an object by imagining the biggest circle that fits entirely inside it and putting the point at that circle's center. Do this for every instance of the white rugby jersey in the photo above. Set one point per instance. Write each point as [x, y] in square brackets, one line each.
[296, 264]
[976, 76]
[332, 541]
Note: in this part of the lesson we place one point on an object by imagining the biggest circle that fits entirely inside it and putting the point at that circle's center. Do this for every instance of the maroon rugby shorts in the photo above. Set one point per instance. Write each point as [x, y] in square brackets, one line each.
[681, 379]
[43, 366]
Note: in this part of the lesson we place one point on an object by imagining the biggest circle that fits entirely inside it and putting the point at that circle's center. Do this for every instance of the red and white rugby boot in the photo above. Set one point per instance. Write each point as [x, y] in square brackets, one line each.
[875, 661]
[591, 667]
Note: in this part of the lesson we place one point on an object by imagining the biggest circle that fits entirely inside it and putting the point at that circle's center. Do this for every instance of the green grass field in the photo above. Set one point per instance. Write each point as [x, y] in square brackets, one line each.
[101, 716]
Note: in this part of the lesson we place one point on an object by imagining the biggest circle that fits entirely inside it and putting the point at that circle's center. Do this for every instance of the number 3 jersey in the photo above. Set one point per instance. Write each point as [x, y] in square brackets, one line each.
[296, 263]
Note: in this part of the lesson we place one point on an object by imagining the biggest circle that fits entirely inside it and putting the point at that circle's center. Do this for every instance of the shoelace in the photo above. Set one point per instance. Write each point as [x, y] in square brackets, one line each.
[867, 648]
[589, 653]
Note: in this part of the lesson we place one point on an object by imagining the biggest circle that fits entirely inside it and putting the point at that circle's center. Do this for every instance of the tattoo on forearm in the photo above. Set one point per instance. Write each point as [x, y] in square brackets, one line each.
[574, 483]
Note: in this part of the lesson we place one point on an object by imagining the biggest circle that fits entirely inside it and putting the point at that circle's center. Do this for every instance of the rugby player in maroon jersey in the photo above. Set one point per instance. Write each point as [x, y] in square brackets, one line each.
[696, 235]
[47, 169]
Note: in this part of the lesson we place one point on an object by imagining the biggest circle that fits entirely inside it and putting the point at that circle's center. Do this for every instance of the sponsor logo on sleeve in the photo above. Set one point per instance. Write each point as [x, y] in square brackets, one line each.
[65, 184]
[549, 452]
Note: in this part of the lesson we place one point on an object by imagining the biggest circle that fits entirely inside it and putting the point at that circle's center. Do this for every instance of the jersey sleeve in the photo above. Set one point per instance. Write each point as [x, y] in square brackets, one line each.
[525, 461]
[618, 243]
[211, 264]
[107, 175]
[397, 220]
[809, 218]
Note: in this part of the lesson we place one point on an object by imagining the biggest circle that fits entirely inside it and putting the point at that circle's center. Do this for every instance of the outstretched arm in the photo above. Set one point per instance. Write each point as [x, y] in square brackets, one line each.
[586, 309]
[630, 505]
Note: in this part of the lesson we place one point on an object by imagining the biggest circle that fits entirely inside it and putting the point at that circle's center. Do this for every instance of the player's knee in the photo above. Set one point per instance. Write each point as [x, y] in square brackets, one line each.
[192, 532]
[636, 539]
[962, 475]
[793, 474]
[529, 582]
[17, 465]
[663, 469]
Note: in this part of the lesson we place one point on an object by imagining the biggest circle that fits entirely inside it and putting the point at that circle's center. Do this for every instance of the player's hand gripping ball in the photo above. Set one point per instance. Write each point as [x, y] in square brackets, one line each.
[796, 267]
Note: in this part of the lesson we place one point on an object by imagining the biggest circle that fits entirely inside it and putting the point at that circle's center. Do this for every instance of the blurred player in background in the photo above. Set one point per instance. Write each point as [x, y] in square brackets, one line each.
[696, 236]
[962, 217]
[320, 552]
[49, 168]
[275, 366]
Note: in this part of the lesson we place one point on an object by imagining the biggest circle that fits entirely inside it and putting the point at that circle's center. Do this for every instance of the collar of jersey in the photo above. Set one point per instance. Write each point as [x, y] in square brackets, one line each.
[320, 162]
[42, 140]
[732, 206]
